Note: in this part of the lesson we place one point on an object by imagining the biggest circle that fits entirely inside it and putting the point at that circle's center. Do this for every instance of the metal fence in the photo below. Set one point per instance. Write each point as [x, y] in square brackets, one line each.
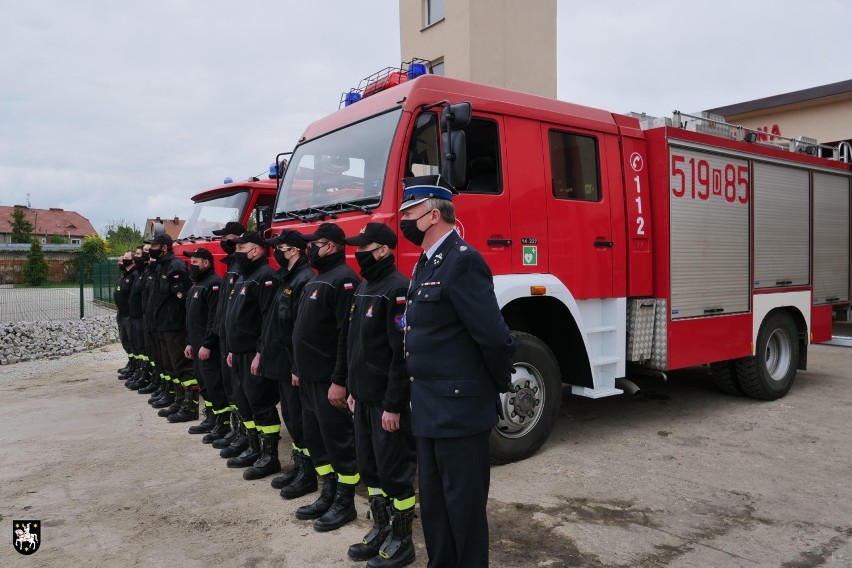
[87, 293]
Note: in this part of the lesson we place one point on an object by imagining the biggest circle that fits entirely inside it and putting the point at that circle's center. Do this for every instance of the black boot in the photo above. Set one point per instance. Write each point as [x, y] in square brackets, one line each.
[398, 549]
[319, 507]
[267, 463]
[342, 511]
[226, 440]
[205, 425]
[372, 542]
[126, 372]
[283, 481]
[305, 481]
[238, 443]
[167, 396]
[174, 407]
[160, 389]
[126, 369]
[221, 427]
[250, 454]
[153, 383]
[188, 408]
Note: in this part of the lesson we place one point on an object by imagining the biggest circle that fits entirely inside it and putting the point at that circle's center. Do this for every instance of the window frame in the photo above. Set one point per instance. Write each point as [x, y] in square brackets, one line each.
[597, 164]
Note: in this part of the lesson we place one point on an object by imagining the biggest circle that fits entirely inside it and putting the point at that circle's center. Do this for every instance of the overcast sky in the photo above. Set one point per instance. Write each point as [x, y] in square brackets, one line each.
[124, 110]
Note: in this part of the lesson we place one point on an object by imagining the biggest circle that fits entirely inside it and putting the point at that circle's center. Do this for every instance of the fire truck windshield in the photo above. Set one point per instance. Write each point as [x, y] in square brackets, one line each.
[212, 214]
[340, 170]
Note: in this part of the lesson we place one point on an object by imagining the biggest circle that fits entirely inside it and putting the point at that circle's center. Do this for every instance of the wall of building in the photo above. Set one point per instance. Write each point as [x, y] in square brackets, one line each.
[503, 43]
[62, 265]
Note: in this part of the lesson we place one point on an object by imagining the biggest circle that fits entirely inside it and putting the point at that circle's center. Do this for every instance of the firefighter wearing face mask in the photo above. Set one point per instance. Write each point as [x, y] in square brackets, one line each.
[201, 302]
[167, 311]
[134, 318]
[121, 297]
[379, 397]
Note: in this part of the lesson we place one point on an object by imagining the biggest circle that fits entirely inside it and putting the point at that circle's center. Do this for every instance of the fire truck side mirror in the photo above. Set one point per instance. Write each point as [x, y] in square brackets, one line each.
[454, 164]
[455, 116]
[262, 218]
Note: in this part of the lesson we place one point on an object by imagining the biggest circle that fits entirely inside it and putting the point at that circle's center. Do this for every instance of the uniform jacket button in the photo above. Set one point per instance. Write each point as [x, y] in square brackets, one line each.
[456, 391]
[408, 328]
[411, 379]
[409, 302]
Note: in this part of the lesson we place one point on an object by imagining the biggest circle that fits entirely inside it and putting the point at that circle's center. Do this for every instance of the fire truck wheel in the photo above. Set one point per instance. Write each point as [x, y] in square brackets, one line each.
[725, 376]
[770, 373]
[531, 406]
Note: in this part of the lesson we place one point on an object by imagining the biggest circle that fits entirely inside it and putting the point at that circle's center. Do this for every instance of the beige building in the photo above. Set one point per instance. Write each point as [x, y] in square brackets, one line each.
[823, 113]
[504, 43]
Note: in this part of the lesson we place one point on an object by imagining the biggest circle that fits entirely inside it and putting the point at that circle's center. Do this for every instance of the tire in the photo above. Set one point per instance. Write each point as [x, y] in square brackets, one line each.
[770, 373]
[725, 376]
[529, 410]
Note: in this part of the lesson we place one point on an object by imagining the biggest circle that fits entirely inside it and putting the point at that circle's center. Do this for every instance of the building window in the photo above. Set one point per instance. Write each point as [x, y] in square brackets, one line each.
[75, 241]
[574, 168]
[438, 67]
[433, 12]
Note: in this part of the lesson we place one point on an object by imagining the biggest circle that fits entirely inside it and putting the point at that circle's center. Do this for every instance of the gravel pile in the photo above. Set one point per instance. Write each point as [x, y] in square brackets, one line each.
[24, 341]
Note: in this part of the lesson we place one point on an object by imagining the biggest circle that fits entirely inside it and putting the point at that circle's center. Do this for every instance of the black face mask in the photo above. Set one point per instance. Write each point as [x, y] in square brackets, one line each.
[409, 229]
[279, 258]
[241, 258]
[228, 246]
[322, 263]
[365, 259]
[126, 262]
[156, 253]
[194, 271]
[140, 261]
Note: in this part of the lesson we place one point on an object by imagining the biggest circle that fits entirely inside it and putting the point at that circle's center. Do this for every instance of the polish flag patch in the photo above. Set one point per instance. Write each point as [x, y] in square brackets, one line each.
[348, 286]
[215, 288]
[268, 283]
[400, 299]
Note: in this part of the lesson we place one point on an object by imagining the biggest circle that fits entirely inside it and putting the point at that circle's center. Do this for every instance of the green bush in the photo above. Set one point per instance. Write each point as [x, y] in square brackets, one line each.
[36, 270]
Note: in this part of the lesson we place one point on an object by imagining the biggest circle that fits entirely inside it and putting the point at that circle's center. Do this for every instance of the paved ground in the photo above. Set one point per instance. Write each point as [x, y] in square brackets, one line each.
[38, 304]
[679, 475]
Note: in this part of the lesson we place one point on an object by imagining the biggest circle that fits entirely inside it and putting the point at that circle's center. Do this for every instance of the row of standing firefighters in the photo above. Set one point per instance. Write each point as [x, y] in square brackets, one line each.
[375, 377]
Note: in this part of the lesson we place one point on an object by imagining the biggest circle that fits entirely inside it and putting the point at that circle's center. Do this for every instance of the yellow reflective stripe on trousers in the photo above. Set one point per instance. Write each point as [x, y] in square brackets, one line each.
[208, 404]
[249, 424]
[189, 383]
[404, 505]
[376, 491]
[221, 410]
[272, 429]
[349, 479]
[324, 469]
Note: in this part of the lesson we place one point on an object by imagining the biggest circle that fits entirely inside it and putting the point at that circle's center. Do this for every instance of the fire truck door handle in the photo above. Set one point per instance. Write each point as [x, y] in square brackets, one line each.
[783, 282]
[833, 299]
[602, 243]
[499, 242]
[714, 310]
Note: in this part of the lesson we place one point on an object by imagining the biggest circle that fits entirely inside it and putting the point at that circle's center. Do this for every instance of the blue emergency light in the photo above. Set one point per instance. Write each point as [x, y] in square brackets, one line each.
[416, 69]
[273, 170]
[228, 180]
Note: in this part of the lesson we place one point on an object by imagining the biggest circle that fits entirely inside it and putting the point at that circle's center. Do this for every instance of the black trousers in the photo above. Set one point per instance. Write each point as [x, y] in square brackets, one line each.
[454, 480]
[137, 338]
[329, 433]
[152, 350]
[261, 396]
[228, 379]
[209, 374]
[291, 411]
[123, 334]
[386, 460]
[174, 364]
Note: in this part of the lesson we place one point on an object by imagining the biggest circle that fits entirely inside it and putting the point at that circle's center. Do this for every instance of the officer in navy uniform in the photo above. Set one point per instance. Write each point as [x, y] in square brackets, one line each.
[319, 369]
[201, 302]
[379, 397]
[276, 358]
[458, 358]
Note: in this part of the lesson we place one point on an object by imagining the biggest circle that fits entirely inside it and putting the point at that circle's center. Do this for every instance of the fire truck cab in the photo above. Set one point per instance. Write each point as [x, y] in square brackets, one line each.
[214, 207]
[616, 242]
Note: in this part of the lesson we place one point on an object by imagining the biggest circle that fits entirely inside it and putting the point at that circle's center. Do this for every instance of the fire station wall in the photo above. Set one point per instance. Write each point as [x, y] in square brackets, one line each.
[827, 120]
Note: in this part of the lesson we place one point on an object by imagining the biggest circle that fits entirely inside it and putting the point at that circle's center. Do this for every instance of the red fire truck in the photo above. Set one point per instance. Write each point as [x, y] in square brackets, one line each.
[618, 243]
[231, 201]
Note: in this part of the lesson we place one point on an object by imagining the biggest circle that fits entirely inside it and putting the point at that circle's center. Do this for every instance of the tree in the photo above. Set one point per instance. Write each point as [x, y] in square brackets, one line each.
[22, 230]
[122, 237]
[93, 250]
[58, 240]
[36, 270]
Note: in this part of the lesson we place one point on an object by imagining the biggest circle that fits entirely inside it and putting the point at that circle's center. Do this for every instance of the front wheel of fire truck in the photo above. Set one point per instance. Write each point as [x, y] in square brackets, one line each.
[769, 374]
[531, 406]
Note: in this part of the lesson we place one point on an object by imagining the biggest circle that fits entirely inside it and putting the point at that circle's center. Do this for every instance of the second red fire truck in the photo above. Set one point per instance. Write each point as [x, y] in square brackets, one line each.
[617, 242]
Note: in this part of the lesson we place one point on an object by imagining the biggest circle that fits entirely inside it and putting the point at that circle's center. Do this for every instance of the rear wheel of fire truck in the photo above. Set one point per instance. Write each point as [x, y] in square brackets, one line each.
[769, 374]
[725, 377]
[531, 406]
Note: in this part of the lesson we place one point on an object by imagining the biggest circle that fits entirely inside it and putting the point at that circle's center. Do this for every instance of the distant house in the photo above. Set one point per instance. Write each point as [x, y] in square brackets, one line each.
[172, 227]
[46, 223]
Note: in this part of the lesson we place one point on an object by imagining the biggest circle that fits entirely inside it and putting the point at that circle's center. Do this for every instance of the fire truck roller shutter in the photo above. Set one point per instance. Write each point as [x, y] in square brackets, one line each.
[781, 226]
[831, 239]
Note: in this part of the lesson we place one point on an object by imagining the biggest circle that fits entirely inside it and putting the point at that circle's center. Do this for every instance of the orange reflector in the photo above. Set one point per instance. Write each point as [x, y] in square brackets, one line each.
[812, 337]
[752, 347]
[538, 290]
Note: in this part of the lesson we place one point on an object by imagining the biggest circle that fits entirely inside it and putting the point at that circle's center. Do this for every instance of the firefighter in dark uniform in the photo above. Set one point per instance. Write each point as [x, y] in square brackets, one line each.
[149, 380]
[167, 306]
[253, 295]
[319, 370]
[163, 393]
[135, 310]
[121, 297]
[227, 428]
[276, 358]
[379, 397]
[458, 357]
[201, 302]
